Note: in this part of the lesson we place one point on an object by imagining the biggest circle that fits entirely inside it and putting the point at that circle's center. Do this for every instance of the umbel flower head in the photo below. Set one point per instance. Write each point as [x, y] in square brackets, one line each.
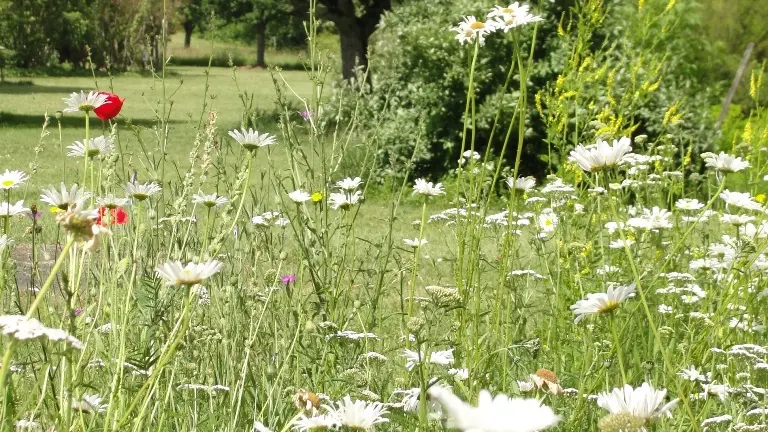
[89, 404]
[191, 274]
[601, 155]
[12, 179]
[471, 30]
[251, 140]
[634, 407]
[63, 199]
[85, 102]
[91, 147]
[22, 328]
[494, 414]
[600, 303]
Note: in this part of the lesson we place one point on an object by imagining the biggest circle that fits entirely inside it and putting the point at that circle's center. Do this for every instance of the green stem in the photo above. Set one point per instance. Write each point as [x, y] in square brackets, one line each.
[85, 156]
[619, 353]
[245, 192]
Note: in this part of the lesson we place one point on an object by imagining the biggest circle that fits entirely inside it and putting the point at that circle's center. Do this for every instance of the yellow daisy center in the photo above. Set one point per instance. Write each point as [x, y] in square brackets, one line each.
[8, 183]
[477, 25]
[609, 307]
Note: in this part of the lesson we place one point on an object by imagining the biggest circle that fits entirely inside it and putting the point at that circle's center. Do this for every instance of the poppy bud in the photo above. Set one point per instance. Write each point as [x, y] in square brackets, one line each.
[109, 110]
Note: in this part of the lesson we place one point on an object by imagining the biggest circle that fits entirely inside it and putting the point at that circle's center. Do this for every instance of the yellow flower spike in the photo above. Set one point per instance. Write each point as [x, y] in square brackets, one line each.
[747, 136]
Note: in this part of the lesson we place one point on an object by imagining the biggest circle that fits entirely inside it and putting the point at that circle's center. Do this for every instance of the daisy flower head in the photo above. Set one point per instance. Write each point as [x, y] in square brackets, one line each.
[210, 200]
[112, 202]
[251, 140]
[79, 222]
[344, 200]
[90, 404]
[548, 221]
[91, 147]
[191, 274]
[349, 184]
[7, 209]
[521, 183]
[635, 406]
[494, 414]
[319, 422]
[471, 29]
[299, 196]
[512, 16]
[358, 414]
[689, 204]
[412, 358]
[85, 102]
[601, 155]
[601, 303]
[415, 243]
[63, 199]
[423, 187]
[142, 191]
[12, 179]
[724, 162]
[22, 328]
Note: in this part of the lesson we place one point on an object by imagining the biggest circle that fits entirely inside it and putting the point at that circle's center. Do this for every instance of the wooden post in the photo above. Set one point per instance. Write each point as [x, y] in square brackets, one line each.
[734, 85]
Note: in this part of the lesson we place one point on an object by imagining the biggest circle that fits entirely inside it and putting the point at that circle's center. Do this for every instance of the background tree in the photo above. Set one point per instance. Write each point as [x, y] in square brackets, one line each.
[191, 14]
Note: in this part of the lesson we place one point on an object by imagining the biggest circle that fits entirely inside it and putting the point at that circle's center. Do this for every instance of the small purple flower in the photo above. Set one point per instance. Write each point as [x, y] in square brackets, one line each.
[78, 311]
[306, 115]
[287, 279]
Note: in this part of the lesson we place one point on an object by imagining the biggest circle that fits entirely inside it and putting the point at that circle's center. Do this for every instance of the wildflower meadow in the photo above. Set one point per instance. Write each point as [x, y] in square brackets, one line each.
[311, 275]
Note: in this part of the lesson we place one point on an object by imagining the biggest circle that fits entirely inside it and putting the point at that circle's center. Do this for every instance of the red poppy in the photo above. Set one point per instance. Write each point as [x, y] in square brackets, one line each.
[117, 216]
[110, 110]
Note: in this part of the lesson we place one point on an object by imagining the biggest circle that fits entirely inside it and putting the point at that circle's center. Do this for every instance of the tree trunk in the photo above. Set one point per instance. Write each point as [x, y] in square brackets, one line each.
[188, 27]
[261, 44]
[354, 47]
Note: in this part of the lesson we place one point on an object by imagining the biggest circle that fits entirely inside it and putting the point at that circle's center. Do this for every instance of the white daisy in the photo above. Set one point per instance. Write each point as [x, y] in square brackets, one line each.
[443, 358]
[12, 179]
[423, 187]
[600, 303]
[601, 155]
[344, 200]
[653, 219]
[724, 162]
[359, 414]
[299, 196]
[349, 184]
[548, 221]
[621, 243]
[8, 209]
[191, 274]
[142, 191]
[92, 147]
[521, 183]
[736, 219]
[740, 199]
[512, 16]
[22, 328]
[471, 29]
[84, 102]
[318, 422]
[415, 242]
[688, 204]
[691, 374]
[644, 402]
[89, 404]
[494, 414]
[210, 200]
[251, 139]
[63, 199]
[112, 202]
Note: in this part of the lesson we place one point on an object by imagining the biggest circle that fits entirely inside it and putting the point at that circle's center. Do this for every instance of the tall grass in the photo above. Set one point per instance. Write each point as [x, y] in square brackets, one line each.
[320, 297]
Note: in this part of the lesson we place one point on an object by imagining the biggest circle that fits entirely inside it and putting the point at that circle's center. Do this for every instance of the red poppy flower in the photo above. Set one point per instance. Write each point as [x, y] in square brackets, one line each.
[116, 216]
[110, 110]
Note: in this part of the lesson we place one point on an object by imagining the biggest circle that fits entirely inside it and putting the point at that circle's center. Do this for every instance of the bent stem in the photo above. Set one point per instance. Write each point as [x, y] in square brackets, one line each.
[245, 192]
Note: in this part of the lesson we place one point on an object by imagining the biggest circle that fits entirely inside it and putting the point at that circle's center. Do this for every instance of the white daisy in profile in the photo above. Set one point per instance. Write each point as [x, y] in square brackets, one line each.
[688, 204]
[299, 196]
[736, 219]
[12, 179]
[142, 191]
[344, 200]
[494, 414]
[64, 198]
[91, 147]
[84, 102]
[443, 358]
[111, 201]
[414, 243]
[512, 16]
[210, 200]
[22, 328]
[8, 209]
[636, 406]
[601, 155]
[251, 140]
[423, 187]
[521, 183]
[691, 374]
[621, 243]
[724, 162]
[357, 415]
[349, 184]
[319, 422]
[91, 404]
[601, 303]
[471, 29]
[740, 199]
[191, 274]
